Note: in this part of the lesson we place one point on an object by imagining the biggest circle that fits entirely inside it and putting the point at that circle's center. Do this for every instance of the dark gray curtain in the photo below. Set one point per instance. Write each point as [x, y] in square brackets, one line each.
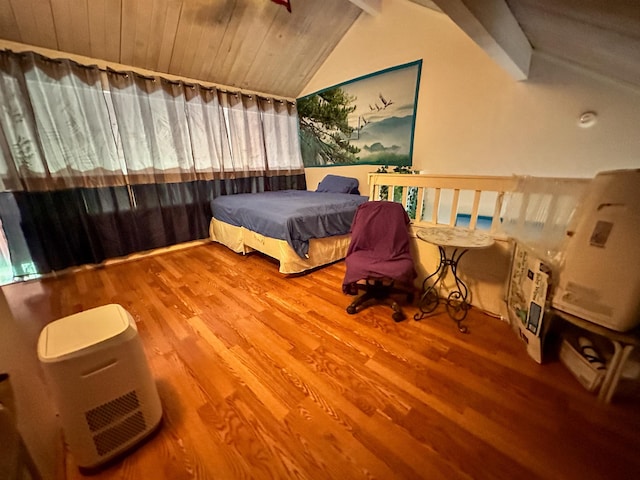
[63, 228]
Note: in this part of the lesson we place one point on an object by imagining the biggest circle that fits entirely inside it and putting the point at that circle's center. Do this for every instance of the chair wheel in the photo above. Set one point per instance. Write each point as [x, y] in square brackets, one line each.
[398, 316]
[351, 309]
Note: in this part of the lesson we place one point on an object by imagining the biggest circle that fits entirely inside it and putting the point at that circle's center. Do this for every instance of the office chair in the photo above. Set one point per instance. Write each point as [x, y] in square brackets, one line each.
[379, 257]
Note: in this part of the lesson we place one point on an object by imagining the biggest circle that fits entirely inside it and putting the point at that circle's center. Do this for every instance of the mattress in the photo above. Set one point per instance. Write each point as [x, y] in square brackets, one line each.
[295, 216]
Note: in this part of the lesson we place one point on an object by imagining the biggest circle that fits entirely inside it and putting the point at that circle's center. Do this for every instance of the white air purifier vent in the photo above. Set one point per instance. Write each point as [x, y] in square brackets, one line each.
[110, 412]
[120, 434]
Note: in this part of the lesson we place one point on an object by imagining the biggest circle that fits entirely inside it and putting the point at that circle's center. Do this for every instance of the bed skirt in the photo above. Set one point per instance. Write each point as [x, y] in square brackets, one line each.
[322, 251]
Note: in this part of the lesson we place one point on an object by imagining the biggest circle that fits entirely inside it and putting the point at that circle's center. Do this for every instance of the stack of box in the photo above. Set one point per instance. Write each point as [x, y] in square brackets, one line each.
[528, 297]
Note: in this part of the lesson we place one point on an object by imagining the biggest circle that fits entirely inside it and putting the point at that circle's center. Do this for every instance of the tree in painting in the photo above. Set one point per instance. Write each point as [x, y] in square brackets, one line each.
[324, 128]
[369, 120]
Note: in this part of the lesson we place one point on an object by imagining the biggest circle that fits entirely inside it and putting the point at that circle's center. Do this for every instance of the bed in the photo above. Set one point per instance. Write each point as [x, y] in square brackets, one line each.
[301, 229]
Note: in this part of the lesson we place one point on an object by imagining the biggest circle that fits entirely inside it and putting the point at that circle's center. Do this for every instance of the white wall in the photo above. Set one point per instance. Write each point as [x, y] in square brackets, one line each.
[475, 119]
[36, 415]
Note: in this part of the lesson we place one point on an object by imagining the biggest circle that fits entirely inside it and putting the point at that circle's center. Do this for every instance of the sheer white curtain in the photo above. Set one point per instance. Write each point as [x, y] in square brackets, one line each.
[22, 163]
[208, 131]
[175, 132]
[56, 124]
[61, 129]
[281, 142]
[246, 135]
[151, 121]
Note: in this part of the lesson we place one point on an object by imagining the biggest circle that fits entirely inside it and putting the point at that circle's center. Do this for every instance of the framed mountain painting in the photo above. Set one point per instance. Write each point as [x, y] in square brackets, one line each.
[368, 121]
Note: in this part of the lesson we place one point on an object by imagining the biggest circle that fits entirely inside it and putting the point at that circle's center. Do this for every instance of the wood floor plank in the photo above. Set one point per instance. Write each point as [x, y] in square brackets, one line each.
[244, 374]
[350, 458]
[266, 376]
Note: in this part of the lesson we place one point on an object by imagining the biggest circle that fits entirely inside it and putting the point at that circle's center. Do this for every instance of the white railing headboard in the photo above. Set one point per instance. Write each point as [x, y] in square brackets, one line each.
[536, 210]
[444, 199]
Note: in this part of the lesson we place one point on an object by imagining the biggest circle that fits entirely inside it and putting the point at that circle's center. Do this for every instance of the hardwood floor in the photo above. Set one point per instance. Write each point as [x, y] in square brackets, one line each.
[264, 376]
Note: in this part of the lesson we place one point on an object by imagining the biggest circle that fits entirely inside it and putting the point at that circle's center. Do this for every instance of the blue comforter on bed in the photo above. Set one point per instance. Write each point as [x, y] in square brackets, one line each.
[292, 215]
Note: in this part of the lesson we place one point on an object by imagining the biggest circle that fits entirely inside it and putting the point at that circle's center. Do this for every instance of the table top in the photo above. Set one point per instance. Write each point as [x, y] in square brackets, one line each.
[455, 237]
[627, 338]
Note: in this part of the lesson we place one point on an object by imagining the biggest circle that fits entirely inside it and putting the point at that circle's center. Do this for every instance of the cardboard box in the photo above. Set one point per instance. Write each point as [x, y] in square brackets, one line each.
[528, 297]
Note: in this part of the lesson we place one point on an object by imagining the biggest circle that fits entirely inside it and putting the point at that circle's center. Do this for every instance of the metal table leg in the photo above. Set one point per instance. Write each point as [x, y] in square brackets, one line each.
[456, 301]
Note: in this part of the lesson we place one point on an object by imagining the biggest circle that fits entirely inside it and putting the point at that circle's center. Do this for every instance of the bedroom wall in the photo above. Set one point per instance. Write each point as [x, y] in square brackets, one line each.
[36, 415]
[475, 119]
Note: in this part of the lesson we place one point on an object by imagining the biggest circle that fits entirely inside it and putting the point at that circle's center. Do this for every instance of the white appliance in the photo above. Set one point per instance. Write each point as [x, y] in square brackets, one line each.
[599, 280]
[96, 369]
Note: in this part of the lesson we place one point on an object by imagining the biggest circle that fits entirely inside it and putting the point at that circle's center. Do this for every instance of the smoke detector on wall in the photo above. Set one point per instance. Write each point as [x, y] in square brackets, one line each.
[587, 119]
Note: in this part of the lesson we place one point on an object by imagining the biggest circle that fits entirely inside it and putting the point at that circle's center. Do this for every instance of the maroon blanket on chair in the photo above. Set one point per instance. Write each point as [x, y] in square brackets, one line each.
[379, 245]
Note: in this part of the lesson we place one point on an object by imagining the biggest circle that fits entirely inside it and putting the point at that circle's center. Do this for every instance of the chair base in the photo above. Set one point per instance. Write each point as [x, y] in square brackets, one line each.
[377, 292]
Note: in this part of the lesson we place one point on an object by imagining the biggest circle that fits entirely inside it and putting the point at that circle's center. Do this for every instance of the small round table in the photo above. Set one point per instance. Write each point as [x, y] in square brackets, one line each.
[461, 240]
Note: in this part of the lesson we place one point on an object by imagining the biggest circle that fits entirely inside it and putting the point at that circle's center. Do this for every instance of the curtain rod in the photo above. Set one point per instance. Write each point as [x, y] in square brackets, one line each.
[203, 87]
[191, 83]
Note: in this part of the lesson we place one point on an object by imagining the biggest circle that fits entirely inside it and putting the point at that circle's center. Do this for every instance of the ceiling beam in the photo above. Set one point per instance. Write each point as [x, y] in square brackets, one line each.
[372, 7]
[491, 25]
[428, 4]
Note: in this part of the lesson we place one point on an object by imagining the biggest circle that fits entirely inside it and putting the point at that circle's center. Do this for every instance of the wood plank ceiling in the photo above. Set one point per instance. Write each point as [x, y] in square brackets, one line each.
[600, 35]
[248, 44]
[257, 45]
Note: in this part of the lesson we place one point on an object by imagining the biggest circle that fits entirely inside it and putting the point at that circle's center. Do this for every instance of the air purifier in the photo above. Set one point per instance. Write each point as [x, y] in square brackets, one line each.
[599, 280]
[101, 384]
